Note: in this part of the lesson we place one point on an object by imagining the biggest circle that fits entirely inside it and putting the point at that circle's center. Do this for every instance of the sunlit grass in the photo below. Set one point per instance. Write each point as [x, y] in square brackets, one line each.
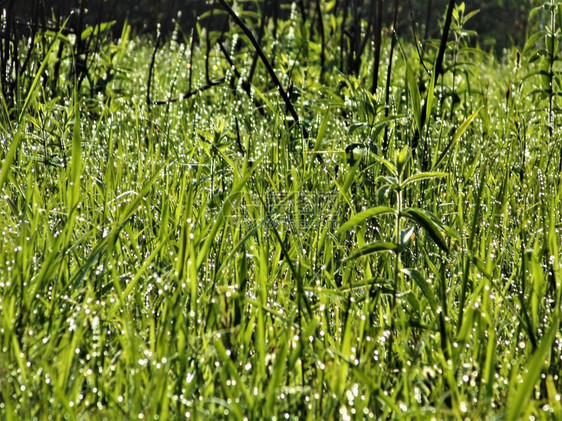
[196, 259]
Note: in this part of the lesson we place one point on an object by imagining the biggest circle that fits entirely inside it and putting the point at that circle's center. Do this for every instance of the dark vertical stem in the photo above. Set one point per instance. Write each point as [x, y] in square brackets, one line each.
[551, 79]
[56, 71]
[15, 58]
[302, 8]
[245, 85]
[437, 71]
[415, 36]
[32, 36]
[378, 40]
[368, 34]
[442, 47]
[343, 67]
[208, 44]
[151, 69]
[266, 63]
[355, 55]
[241, 150]
[389, 75]
[153, 58]
[322, 40]
[427, 19]
[191, 49]
[261, 31]
[80, 51]
[275, 28]
[6, 56]
[94, 50]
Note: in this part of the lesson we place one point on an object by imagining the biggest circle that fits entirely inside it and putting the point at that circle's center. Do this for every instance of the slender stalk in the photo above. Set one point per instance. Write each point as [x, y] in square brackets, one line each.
[378, 41]
[208, 43]
[427, 19]
[397, 261]
[266, 63]
[322, 40]
[264, 15]
[389, 76]
[437, 71]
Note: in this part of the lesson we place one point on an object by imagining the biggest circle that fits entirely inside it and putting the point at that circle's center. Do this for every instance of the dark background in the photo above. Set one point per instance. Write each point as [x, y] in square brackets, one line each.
[500, 23]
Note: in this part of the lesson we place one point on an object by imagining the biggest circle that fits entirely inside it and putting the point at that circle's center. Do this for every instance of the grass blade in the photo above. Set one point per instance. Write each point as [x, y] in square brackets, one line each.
[426, 220]
[519, 401]
[424, 286]
[460, 131]
[363, 216]
[375, 247]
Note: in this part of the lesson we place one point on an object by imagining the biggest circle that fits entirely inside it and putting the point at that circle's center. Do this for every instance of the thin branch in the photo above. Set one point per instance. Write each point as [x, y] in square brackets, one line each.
[389, 76]
[265, 61]
[245, 84]
[415, 35]
[437, 70]
[378, 42]
[322, 40]
[189, 94]
[153, 59]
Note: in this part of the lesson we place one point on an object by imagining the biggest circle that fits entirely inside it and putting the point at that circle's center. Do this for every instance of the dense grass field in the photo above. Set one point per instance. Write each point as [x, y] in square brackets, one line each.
[378, 255]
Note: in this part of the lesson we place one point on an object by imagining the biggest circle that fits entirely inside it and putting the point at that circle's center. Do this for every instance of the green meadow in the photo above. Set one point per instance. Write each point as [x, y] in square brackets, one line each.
[223, 224]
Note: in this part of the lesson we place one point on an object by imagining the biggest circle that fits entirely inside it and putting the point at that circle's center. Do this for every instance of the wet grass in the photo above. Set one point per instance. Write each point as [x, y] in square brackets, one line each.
[198, 259]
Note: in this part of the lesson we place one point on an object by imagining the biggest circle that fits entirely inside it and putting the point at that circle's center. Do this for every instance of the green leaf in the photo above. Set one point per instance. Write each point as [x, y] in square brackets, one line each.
[430, 95]
[532, 40]
[414, 302]
[264, 99]
[10, 156]
[406, 238]
[426, 289]
[362, 216]
[356, 126]
[402, 159]
[322, 130]
[424, 176]
[375, 247]
[275, 378]
[96, 30]
[235, 194]
[534, 11]
[538, 54]
[383, 193]
[456, 138]
[39, 74]
[426, 220]
[75, 167]
[470, 15]
[414, 95]
[521, 398]
[389, 165]
[226, 361]
[391, 182]
[108, 241]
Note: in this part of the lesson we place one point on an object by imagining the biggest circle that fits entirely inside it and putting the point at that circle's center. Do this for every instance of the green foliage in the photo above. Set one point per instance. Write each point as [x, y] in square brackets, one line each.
[207, 255]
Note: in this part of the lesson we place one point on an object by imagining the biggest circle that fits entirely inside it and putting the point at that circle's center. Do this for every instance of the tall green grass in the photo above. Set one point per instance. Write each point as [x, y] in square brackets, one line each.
[196, 259]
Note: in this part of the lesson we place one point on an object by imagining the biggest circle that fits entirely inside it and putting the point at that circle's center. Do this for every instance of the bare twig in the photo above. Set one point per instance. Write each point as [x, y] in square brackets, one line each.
[153, 59]
[378, 41]
[245, 84]
[437, 71]
[322, 40]
[415, 35]
[266, 63]
[389, 75]
[189, 94]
